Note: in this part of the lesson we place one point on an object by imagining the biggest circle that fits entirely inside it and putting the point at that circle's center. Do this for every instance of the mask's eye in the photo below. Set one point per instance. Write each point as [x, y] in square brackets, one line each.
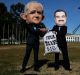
[39, 12]
[32, 12]
[35, 11]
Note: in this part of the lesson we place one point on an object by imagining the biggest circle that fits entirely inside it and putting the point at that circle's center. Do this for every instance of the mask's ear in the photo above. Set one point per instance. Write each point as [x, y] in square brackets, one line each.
[23, 16]
[43, 17]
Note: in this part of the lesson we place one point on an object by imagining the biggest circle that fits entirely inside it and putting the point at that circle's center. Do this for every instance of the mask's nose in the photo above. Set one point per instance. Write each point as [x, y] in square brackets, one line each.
[37, 17]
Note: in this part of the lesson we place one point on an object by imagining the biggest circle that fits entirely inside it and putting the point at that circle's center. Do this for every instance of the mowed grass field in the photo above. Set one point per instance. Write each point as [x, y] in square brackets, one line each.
[11, 57]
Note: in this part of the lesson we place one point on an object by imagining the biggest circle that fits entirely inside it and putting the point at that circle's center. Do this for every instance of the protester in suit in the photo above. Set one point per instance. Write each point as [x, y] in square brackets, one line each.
[33, 15]
[60, 17]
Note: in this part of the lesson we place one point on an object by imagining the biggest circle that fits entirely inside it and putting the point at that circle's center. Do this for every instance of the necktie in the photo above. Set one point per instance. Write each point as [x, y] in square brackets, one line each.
[59, 28]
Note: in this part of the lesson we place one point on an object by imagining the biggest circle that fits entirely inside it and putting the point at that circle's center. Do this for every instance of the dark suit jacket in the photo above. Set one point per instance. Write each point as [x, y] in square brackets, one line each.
[61, 39]
[34, 33]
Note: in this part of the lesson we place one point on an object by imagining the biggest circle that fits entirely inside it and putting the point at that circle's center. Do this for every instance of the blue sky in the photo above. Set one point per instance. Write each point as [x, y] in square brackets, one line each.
[70, 6]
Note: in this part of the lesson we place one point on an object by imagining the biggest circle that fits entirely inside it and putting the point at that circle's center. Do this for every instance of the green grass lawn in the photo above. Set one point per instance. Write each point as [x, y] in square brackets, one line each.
[11, 59]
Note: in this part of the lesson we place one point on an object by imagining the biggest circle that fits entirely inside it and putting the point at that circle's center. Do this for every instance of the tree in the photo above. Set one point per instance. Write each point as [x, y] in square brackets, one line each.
[3, 11]
[3, 8]
[16, 9]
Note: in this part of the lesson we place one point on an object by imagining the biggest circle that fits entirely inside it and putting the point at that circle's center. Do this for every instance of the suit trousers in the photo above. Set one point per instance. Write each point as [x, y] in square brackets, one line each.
[29, 48]
[66, 63]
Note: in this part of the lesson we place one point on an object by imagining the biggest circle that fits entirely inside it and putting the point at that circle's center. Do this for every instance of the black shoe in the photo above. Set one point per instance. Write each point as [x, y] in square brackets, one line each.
[36, 69]
[23, 70]
[56, 68]
[69, 69]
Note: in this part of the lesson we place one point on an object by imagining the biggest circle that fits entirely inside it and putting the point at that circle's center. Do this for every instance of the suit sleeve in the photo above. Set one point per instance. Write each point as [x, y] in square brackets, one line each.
[54, 29]
[42, 33]
[32, 30]
[63, 31]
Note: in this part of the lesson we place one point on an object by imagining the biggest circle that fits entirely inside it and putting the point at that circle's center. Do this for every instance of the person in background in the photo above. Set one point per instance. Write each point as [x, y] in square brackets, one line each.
[60, 18]
[33, 15]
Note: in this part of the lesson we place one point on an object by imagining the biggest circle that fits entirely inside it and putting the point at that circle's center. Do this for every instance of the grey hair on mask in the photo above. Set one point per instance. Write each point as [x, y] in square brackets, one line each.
[29, 3]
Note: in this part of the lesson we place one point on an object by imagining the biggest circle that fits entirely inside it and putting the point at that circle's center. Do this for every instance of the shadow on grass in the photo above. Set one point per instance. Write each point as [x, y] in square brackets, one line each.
[40, 64]
[53, 64]
[30, 74]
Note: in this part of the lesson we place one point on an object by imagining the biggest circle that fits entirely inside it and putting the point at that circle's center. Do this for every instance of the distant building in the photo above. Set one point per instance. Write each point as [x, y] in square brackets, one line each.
[73, 38]
[70, 38]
